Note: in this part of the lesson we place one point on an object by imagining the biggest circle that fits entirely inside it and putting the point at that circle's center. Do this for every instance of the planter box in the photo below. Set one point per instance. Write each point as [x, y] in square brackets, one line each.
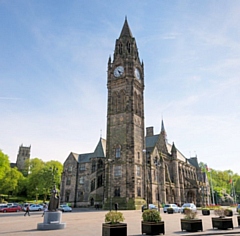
[153, 228]
[206, 212]
[228, 213]
[222, 223]
[119, 229]
[170, 211]
[185, 209]
[191, 225]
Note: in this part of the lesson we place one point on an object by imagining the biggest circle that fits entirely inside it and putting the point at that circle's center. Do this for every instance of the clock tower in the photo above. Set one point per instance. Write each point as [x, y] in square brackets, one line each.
[125, 169]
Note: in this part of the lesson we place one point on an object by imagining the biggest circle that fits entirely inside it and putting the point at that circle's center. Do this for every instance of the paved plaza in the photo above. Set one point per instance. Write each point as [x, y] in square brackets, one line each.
[89, 223]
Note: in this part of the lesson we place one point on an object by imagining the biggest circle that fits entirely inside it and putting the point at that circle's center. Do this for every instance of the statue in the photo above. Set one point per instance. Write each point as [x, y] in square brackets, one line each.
[52, 217]
[54, 200]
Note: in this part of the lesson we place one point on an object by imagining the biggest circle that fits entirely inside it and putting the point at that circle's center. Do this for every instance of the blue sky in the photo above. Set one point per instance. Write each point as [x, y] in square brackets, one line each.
[53, 78]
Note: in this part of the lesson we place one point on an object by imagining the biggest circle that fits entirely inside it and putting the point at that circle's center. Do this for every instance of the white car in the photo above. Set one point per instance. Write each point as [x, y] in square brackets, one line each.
[35, 207]
[65, 208]
[152, 207]
[190, 206]
[175, 208]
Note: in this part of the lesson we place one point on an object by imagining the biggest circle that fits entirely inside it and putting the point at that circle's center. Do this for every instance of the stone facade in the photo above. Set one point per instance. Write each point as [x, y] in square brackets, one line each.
[127, 167]
[83, 176]
[22, 157]
[173, 178]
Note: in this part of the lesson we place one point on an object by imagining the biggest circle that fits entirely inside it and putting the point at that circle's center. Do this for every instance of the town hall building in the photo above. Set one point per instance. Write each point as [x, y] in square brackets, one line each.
[131, 167]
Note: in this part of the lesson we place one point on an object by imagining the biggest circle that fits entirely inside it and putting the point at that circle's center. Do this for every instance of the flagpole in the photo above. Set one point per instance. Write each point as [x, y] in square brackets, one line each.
[213, 201]
[233, 193]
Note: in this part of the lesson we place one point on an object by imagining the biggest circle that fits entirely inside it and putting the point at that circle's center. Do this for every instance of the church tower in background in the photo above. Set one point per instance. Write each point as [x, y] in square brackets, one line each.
[124, 172]
[22, 157]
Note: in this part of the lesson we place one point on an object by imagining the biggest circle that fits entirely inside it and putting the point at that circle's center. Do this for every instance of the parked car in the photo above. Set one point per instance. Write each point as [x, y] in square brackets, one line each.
[36, 207]
[14, 208]
[65, 208]
[3, 206]
[175, 208]
[238, 207]
[150, 206]
[190, 206]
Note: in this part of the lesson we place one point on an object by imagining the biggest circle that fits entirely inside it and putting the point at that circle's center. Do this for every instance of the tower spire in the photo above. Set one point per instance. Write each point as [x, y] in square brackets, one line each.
[126, 30]
[163, 131]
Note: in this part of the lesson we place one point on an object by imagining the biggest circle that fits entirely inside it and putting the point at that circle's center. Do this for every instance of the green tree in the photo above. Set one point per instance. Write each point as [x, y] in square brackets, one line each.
[9, 177]
[10, 183]
[4, 165]
[222, 182]
[42, 176]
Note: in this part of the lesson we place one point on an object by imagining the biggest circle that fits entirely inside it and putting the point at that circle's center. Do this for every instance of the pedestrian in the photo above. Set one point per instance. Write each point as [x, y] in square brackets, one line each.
[44, 209]
[27, 210]
[116, 206]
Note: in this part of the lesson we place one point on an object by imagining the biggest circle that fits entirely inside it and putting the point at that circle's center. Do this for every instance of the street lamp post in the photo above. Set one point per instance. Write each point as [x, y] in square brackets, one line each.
[145, 175]
[36, 195]
[110, 184]
[157, 164]
[53, 170]
[201, 189]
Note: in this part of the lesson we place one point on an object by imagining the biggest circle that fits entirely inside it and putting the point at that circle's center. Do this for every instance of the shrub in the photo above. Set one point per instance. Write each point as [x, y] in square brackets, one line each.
[114, 217]
[205, 209]
[185, 209]
[151, 216]
[190, 215]
[227, 211]
[220, 212]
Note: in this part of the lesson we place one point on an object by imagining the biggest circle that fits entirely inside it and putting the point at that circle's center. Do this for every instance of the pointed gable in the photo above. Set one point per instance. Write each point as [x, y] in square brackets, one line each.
[100, 150]
[71, 156]
[180, 156]
[193, 161]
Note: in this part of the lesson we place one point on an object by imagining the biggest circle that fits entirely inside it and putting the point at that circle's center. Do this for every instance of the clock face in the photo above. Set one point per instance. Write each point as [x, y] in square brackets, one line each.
[118, 71]
[137, 73]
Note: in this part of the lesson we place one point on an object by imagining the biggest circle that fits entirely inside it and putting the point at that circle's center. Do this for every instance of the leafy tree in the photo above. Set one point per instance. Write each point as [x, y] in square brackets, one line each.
[223, 182]
[4, 165]
[10, 183]
[9, 177]
[42, 176]
[237, 187]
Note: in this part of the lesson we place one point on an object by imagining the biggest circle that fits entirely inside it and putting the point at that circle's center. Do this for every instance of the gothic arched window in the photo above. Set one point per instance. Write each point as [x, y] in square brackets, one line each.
[118, 171]
[136, 103]
[100, 164]
[117, 192]
[128, 47]
[93, 166]
[139, 105]
[114, 102]
[118, 151]
[122, 101]
[120, 48]
[118, 102]
[92, 184]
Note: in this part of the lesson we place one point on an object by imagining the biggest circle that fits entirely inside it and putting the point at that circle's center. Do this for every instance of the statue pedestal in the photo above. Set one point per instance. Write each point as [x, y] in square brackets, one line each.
[51, 221]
